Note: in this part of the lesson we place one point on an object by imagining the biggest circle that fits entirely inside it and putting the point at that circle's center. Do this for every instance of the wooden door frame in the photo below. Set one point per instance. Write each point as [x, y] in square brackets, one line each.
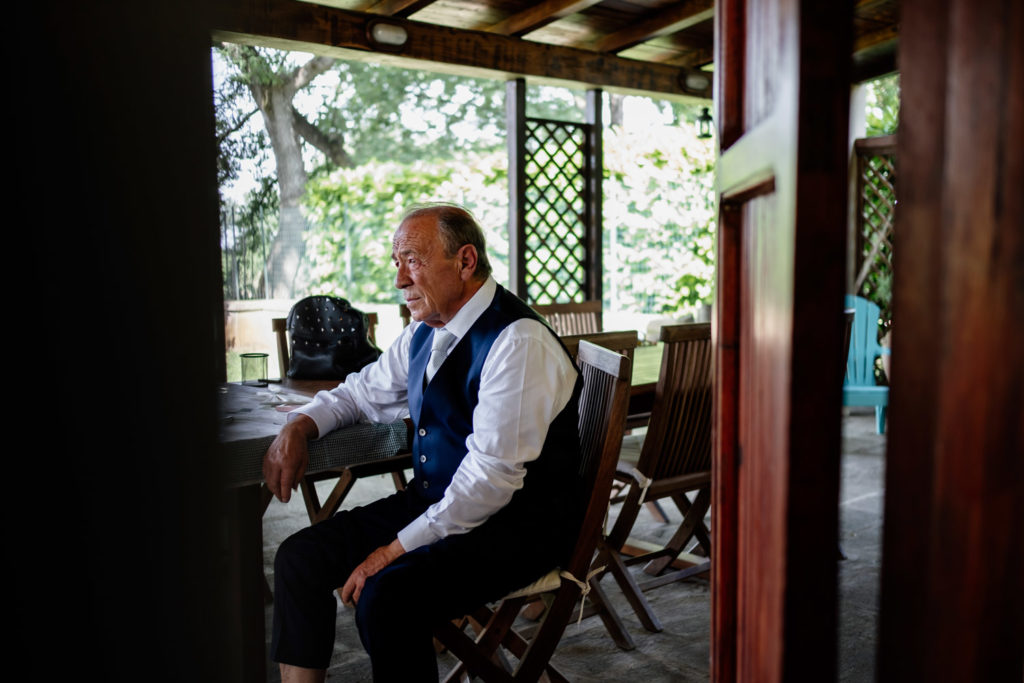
[796, 569]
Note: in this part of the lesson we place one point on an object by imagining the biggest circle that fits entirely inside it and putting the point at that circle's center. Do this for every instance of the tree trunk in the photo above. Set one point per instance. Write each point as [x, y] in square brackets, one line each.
[286, 252]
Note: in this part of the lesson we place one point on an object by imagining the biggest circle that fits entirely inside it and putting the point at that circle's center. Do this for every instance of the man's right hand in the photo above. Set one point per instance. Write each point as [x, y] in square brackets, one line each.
[285, 462]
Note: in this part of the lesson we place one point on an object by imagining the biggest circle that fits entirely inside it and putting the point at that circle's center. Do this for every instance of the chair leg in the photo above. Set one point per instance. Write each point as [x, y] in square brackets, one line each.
[471, 659]
[880, 419]
[477, 656]
[634, 595]
[536, 660]
[656, 511]
[344, 484]
[610, 616]
[693, 518]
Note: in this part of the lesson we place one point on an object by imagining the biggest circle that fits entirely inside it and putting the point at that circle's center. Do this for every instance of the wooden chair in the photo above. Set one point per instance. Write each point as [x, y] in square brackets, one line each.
[624, 342]
[574, 318]
[675, 459]
[602, 415]
[346, 476]
[859, 388]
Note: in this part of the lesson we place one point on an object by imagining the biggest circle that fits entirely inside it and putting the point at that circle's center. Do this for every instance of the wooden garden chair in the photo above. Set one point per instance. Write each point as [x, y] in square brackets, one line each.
[675, 459]
[573, 318]
[602, 416]
[624, 342]
[860, 388]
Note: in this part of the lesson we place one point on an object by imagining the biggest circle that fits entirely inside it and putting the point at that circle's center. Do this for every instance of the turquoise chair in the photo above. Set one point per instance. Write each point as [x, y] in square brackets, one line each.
[859, 388]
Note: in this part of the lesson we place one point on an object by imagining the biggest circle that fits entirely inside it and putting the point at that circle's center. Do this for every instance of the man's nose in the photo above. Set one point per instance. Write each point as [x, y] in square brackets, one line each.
[402, 277]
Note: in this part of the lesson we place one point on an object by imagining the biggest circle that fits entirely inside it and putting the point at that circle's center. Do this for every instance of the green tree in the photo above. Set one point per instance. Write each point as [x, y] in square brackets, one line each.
[365, 112]
[883, 105]
[393, 114]
[658, 219]
[273, 80]
[353, 212]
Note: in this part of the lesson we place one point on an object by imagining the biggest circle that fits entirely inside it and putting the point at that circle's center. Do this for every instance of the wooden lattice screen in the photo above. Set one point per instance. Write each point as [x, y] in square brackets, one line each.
[555, 200]
[876, 211]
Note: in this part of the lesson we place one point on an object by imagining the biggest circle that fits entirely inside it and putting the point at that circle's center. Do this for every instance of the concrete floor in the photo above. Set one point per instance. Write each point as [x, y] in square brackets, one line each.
[681, 651]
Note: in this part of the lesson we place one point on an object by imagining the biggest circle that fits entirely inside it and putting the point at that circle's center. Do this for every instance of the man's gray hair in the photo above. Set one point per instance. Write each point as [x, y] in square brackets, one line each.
[458, 227]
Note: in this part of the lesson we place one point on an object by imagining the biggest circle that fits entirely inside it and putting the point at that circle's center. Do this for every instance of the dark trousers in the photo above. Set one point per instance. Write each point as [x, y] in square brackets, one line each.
[400, 604]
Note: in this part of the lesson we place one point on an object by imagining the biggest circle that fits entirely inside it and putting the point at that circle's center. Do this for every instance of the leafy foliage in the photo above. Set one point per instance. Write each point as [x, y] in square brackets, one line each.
[883, 105]
[392, 114]
[353, 213]
[413, 136]
[248, 230]
[659, 219]
[237, 140]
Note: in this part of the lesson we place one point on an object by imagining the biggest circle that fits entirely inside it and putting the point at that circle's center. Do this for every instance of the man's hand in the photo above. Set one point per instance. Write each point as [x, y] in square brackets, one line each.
[377, 560]
[285, 462]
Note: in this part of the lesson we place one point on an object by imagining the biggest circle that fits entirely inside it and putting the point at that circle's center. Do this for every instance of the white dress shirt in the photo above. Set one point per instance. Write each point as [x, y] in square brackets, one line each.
[526, 381]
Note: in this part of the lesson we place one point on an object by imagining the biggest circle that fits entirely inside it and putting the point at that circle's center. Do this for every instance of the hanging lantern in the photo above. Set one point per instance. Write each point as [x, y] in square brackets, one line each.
[704, 122]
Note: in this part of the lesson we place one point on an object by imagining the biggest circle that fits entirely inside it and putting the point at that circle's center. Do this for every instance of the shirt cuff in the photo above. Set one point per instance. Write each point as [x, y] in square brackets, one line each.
[323, 418]
[417, 534]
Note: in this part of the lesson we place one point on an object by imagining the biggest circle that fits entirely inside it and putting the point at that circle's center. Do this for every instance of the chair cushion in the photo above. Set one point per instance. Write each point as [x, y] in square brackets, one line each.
[545, 584]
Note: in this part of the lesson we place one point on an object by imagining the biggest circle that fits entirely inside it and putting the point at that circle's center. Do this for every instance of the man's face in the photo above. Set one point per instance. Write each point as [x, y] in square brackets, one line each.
[433, 284]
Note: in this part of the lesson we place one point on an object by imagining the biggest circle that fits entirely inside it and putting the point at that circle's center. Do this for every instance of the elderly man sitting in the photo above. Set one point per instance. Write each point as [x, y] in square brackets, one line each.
[493, 397]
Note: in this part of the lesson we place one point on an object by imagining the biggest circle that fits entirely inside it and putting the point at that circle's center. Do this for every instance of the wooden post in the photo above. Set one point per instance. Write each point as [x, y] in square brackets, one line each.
[595, 174]
[952, 599]
[515, 116]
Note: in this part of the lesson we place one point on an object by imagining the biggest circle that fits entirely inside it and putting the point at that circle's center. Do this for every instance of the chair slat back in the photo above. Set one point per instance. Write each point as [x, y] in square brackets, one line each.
[864, 346]
[678, 439]
[848, 315]
[280, 327]
[624, 342]
[602, 409]
[572, 318]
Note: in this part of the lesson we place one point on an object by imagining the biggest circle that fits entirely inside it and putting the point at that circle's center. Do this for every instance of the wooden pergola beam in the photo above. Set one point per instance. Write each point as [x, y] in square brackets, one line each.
[541, 14]
[396, 8]
[345, 34]
[672, 18]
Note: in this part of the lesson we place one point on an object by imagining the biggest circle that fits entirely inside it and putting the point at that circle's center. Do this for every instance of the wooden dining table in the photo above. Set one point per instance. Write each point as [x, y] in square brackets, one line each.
[646, 368]
[250, 418]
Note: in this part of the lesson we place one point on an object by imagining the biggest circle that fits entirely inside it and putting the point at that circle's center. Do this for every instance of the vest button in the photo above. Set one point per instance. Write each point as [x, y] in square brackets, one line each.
[423, 458]
[425, 484]
[423, 432]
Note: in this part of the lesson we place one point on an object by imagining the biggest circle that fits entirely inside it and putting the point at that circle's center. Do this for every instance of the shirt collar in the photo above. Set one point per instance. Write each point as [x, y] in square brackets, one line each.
[463, 320]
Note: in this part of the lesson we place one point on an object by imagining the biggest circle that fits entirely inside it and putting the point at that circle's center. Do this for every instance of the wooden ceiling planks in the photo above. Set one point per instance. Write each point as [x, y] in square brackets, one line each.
[670, 38]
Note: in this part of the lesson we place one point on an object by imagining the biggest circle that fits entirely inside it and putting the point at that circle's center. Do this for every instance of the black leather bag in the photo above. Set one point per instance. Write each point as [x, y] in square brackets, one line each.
[329, 339]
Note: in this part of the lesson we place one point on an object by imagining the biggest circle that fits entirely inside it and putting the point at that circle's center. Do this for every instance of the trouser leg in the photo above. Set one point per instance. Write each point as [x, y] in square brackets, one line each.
[313, 562]
[400, 605]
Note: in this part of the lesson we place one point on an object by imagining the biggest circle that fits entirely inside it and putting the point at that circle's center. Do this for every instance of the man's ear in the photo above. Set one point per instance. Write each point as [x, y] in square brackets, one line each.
[467, 261]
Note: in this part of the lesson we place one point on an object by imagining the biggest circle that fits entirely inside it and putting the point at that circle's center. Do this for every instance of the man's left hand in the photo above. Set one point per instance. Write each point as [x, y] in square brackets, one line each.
[377, 560]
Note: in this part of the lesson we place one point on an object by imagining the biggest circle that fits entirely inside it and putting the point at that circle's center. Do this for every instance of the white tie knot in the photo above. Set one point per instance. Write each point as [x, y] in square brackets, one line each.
[438, 351]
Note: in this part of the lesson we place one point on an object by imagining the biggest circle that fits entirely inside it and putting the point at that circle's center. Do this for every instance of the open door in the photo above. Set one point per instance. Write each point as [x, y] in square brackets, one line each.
[782, 94]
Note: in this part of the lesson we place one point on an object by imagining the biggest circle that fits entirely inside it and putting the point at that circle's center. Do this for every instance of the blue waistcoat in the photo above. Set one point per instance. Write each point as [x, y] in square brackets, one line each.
[442, 414]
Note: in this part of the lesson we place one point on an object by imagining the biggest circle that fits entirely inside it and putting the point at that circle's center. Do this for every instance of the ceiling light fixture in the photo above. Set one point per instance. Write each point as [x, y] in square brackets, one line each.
[387, 36]
[697, 81]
